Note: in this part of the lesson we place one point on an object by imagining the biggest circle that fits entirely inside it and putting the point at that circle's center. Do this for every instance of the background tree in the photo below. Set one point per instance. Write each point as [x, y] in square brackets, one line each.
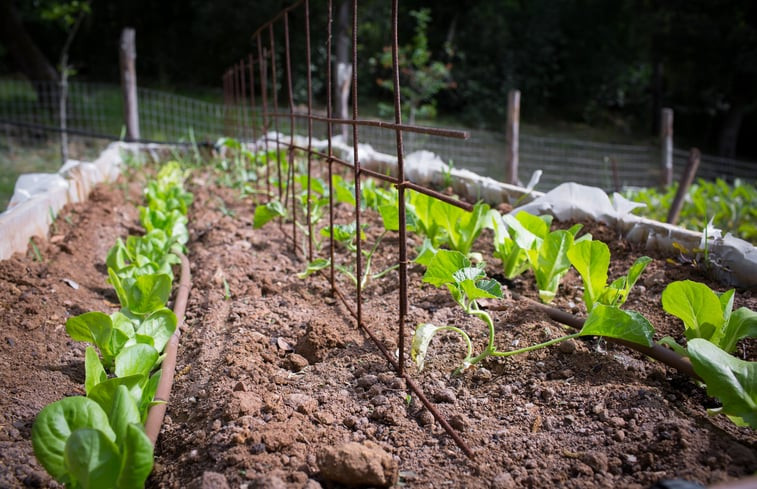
[421, 78]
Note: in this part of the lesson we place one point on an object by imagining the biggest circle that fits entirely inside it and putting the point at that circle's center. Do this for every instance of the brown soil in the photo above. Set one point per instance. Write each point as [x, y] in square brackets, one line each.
[274, 376]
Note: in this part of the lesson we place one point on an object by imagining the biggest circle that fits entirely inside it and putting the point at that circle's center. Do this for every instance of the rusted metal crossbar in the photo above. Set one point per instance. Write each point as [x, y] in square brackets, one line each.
[241, 84]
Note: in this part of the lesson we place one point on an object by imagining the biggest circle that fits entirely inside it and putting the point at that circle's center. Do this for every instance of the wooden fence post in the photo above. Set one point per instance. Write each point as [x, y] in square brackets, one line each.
[683, 186]
[513, 121]
[666, 141]
[128, 55]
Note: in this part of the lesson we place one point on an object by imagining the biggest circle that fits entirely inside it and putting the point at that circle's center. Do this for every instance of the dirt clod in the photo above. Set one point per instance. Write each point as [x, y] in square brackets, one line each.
[357, 465]
[210, 480]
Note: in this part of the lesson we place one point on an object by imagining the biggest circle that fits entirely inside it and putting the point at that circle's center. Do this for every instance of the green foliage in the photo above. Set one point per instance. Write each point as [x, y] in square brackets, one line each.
[442, 223]
[98, 441]
[267, 212]
[467, 284]
[421, 77]
[708, 315]
[84, 446]
[729, 379]
[731, 208]
[592, 260]
[527, 228]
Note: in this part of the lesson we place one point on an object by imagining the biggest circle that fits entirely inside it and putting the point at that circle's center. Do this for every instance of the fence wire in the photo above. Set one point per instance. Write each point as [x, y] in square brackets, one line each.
[95, 110]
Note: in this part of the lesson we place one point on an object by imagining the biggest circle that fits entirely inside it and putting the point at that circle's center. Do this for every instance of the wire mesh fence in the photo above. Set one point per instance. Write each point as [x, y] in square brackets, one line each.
[30, 112]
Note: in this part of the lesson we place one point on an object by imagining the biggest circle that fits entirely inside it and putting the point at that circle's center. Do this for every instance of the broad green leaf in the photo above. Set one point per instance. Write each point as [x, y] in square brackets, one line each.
[93, 327]
[148, 395]
[482, 289]
[160, 326]
[138, 359]
[343, 191]
[514, 259]
[123, 413]
[468, 273]
[634, 273]
[550, 262]
[426, 253]
[54, 425]
[742, 323]
[390, 215]
[94, 373]
[118, 256]
[136, 458]
[421, 340]
[536, 225]
[118, 286]
[92, 459]
[442, 267]
[696, 305]
[149, 293]
[315, 266]
[731, 380]
[268, 212]
[591, 259]
[105, 392]
[726, 302]
[124, 322]
[613, 322]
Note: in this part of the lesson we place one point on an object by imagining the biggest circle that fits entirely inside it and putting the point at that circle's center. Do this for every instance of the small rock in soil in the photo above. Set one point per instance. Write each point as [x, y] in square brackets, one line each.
[503, 480]
[267, 482]
[459, 422]
[296, 362]
[425, 418]
[445, 395]
[243, 404]
[320, 338]
[356, 464]
[595, 460]
[302, 403]
[366, 381]
[209, 480]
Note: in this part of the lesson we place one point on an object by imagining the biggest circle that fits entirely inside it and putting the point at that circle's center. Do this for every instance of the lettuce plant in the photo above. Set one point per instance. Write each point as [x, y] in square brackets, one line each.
[468, 283]
[524, 241]
[729, 379]
[84, 446]
[440, 223]
[592, 260]
[707, 315]
[506, 248]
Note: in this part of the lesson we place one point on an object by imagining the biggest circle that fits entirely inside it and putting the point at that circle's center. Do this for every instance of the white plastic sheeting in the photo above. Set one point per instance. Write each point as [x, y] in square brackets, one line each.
[37, 197]
[733, 260]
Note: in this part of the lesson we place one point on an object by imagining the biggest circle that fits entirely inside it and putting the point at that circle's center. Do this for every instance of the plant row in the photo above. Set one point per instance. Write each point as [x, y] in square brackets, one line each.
[731, 208]
[524, 242]
[98, 441]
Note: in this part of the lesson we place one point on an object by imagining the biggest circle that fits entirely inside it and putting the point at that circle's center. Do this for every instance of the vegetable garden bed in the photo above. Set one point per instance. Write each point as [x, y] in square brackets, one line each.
[271, 372]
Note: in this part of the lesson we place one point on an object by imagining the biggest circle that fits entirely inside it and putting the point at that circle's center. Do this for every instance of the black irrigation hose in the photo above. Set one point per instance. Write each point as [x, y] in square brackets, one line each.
[658, 352]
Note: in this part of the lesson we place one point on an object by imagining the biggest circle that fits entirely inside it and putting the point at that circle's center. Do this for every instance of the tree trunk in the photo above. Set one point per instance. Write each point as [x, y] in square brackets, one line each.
[729, 131]
[343, 68]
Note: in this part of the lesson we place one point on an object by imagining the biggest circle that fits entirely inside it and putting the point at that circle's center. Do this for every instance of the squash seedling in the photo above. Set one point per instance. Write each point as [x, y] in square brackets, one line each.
[346, 235]
[468, 283]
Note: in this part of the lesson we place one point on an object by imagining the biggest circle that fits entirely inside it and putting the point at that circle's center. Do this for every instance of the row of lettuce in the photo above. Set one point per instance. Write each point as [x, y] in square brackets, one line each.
[523, 242]
[731, 208]
[98, 441]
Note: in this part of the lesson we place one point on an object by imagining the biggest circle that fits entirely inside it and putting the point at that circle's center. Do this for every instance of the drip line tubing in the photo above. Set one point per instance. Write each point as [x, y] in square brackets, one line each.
[158, 411]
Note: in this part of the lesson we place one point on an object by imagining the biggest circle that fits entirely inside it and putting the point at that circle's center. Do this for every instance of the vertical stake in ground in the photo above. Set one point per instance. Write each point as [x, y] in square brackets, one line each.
[128, 56]
[666, 142]
[512, 134]
[683, 186]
